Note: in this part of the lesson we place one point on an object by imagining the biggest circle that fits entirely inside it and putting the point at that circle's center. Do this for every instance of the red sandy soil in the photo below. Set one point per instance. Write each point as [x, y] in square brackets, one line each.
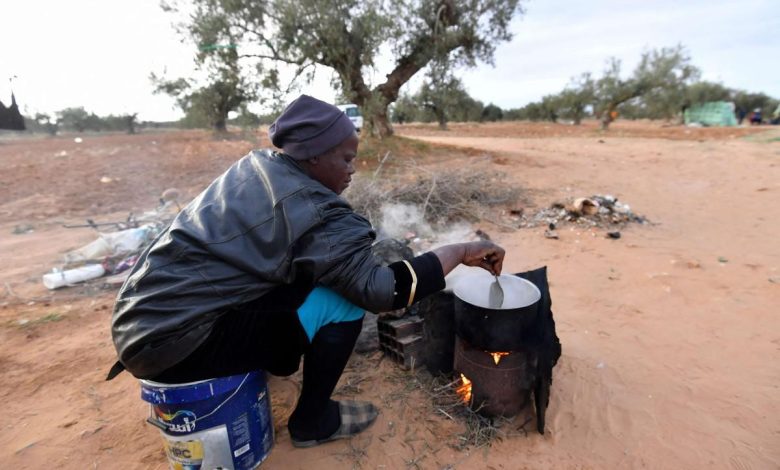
[670, 335]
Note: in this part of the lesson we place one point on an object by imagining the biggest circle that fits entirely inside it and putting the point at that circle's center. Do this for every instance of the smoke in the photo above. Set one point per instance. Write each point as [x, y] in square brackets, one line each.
[407, 222]
[401, 220]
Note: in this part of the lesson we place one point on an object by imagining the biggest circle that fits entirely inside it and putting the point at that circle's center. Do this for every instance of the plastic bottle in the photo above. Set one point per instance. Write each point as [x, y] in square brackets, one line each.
[58, 279]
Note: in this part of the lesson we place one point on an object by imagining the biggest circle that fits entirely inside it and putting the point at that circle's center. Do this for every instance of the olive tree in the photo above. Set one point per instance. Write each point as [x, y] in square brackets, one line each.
[346, 36]
[750, 101]
[449, 101]
[574, 100]
[210, 104]
[77, 119]
[405, 109]
[666, 71]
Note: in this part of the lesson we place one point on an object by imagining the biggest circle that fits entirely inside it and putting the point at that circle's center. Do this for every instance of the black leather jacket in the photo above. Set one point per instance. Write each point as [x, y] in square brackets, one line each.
[262, 224]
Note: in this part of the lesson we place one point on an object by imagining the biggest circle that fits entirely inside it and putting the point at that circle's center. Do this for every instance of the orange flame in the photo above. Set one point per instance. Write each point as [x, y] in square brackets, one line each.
[465, 390]
[498, 355]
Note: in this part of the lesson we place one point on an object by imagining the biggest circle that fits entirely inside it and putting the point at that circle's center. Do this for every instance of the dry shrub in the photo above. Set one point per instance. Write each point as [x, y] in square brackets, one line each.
[443, 195]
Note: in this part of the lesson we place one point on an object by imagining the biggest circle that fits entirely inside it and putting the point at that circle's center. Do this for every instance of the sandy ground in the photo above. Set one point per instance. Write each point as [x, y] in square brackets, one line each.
[670, 334]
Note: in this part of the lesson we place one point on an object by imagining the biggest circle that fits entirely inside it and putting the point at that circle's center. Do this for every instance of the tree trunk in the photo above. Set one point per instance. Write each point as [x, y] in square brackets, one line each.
[442, 117]
[683, 108]
[220, 124]
[379, 124]
[578, 113]
[606, 117]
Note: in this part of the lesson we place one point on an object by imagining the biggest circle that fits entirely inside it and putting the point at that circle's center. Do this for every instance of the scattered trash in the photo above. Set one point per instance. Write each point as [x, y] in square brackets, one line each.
[170, 195]
[78, 140]
[106, 179]
[596, 211]
[600, 365]
[61, 153]
[58, 278]
[117, 244]
[775, 280]
[721, 259]
[551, 234]
[584, 206]
[613, 235]
[125, 264]
[113, 253]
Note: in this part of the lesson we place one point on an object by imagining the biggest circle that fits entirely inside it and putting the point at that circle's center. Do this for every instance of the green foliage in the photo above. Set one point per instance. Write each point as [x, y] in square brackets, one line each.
[574, 101]
[79, 120]
[76, 119]
[751, 101]
[44, 122]
[663, 75]
[545, 110]
[442, 105]
[346, 36]
[658, 87]
[447, 101]
[209, 105]
[405, 109]
[492, 113]
[705, 92]
[246, 119]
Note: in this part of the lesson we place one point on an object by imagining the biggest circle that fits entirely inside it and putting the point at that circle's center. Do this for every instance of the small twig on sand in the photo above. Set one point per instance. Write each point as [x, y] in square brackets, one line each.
[447, 386]
[445, 413]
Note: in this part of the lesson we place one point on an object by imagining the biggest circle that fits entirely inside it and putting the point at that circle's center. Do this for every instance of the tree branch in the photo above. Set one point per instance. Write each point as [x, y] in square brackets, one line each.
[298, 62]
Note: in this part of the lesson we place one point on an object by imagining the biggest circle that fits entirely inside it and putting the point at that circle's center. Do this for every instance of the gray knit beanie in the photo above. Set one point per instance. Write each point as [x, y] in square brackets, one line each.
[309, 127]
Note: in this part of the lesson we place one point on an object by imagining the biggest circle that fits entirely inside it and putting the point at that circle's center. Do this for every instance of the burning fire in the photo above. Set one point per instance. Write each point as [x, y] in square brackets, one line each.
[498, 355]
[464, 391]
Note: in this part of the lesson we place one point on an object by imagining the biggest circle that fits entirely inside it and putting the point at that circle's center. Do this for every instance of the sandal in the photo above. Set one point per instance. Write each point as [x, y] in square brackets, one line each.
[356, 416]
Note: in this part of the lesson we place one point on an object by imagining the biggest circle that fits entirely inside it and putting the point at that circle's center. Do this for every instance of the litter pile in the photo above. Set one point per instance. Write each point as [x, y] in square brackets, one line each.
[112, 254]
[596, 211]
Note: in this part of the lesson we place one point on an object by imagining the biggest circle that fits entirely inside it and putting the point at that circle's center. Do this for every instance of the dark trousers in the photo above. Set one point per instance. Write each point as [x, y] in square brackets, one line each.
[255, 336]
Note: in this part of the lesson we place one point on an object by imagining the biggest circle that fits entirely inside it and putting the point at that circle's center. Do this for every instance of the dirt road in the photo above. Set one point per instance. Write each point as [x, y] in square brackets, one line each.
[670, 334]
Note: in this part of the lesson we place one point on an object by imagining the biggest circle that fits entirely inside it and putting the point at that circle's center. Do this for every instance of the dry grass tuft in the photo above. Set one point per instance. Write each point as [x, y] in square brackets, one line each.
[443, 195]
[478, 431]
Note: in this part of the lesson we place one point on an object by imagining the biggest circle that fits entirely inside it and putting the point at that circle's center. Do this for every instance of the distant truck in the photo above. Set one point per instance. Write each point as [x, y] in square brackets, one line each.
[353, 113]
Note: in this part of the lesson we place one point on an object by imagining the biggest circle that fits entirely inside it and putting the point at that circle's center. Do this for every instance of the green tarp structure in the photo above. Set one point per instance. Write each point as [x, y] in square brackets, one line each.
[714, 113]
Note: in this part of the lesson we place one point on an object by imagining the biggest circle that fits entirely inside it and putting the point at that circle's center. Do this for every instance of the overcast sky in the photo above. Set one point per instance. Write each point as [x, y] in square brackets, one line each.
[99, 53]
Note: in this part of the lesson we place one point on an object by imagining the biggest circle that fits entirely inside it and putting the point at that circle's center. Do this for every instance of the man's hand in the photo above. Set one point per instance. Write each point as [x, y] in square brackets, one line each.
[485, 254]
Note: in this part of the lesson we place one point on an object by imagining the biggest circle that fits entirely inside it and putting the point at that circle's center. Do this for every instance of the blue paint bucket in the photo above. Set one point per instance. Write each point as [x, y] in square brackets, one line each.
[220, 423]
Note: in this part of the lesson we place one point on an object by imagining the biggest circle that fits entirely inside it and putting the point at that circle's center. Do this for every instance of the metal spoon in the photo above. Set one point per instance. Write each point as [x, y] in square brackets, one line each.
[496, 296]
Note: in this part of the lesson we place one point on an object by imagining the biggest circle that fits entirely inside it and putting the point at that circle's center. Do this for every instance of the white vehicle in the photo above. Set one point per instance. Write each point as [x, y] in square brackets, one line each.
[353, 113]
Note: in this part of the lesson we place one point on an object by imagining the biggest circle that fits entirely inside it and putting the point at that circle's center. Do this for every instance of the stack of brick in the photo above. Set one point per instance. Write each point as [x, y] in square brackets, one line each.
[401, 339]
